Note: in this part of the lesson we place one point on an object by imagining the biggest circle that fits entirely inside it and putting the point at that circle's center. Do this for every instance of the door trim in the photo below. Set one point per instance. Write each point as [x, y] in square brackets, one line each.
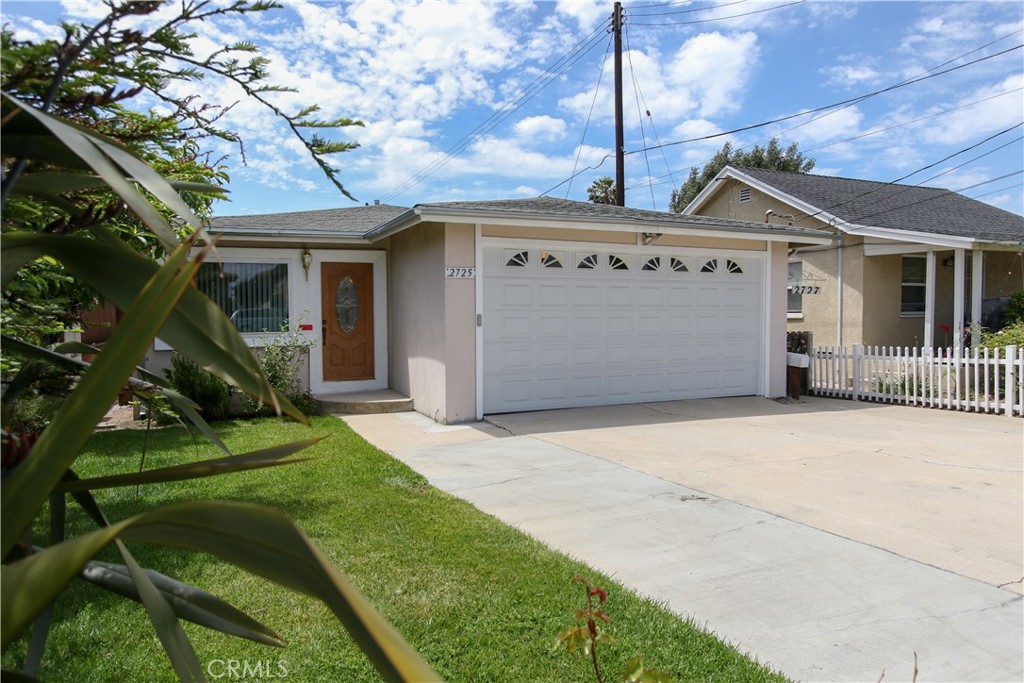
[380, 317]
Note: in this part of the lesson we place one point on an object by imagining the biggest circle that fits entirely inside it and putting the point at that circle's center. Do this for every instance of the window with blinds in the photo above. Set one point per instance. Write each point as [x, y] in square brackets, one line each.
[253, 295]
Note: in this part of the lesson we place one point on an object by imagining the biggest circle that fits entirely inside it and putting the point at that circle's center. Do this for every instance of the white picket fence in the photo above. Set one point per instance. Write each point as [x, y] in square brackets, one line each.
[978, 380]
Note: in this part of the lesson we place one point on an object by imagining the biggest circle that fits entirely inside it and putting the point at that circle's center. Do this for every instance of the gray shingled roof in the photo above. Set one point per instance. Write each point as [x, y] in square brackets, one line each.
[551, 207]
[899, 207]
[372, 222]
[353, 221]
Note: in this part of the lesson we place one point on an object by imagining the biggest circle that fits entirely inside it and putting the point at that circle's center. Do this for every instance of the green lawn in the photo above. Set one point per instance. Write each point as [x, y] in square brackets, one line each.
[479, 600]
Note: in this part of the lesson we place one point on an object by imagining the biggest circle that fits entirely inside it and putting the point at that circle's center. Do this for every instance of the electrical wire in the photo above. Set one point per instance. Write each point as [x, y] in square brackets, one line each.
[875, 131]
[630, 8]
[559, 67]
[940, 196]
[937, 66]
[891, 183]
[586, 126]
[639, 115]
[731, 16]
[827, 106]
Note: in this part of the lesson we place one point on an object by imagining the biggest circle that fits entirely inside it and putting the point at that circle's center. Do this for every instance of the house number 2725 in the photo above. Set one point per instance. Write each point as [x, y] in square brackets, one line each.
[460, 272]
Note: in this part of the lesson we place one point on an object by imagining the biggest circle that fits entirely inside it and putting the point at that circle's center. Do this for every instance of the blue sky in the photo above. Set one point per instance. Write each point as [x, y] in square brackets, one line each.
[423, 76]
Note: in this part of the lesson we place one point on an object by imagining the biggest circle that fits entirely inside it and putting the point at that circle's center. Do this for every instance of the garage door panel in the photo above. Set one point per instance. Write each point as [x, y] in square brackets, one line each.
[590, 336]
[517, 294]
[587, 295]
[551, 295]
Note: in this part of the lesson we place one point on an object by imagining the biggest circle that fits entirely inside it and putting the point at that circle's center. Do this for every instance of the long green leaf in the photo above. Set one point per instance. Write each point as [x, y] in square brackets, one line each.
[165, 622]
[260, 539]
[196, 328]
[97, 153]
[60, 442]
[267, 457]
[188, 602]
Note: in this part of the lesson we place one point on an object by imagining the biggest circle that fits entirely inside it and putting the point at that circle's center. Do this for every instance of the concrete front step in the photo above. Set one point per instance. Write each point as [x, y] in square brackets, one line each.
[363, 403]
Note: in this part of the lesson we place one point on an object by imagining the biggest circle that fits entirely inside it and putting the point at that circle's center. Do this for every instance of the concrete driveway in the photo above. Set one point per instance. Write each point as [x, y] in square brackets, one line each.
[830, 539]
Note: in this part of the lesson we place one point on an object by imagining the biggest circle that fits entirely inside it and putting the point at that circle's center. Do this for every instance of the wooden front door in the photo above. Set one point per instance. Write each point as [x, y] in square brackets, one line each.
[346, 291]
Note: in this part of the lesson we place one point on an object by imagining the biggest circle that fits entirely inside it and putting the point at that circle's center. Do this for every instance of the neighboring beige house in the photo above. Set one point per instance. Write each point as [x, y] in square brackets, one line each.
[912, 266]
[484, 307]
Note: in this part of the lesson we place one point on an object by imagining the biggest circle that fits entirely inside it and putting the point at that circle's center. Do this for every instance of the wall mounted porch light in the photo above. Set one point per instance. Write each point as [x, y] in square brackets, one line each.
[648, 238]
[307, 261]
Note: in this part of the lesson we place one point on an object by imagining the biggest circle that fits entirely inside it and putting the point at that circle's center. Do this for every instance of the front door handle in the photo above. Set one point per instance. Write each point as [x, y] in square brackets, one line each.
[323, 330]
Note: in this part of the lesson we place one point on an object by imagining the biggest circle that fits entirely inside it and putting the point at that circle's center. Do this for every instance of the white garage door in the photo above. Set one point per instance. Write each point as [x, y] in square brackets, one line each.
[579, 326]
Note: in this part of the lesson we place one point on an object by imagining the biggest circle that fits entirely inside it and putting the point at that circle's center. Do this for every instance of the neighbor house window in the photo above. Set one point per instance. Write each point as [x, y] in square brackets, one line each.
[253, 295]
[912, 285]
[794, 293]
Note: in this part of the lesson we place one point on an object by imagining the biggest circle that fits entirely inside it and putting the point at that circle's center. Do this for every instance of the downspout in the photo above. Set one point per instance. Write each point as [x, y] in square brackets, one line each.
[839, 293]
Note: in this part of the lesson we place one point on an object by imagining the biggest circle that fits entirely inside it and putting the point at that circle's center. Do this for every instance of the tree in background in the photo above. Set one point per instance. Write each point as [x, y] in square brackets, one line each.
[602, 191]
[65, 190]
[116, 78]
[770, 157]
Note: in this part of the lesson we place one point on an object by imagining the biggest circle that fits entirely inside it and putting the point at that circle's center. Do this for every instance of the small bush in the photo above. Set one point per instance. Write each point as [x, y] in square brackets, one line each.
[281, 359]
[1014, 311]
[1010, 334]
[211, 393]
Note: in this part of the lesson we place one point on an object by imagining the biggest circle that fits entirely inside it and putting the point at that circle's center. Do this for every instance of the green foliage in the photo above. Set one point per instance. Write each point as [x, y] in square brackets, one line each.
[602, 191]
[211, 393]
[586, 637]
[770, 157]
[91, 77]
[281, 359]
[1014, 311]
[49, 162]
[1011, 334]
[481, 600]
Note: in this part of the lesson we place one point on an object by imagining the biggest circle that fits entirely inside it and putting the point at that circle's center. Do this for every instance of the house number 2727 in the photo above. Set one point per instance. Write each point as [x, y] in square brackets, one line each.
[460, 272]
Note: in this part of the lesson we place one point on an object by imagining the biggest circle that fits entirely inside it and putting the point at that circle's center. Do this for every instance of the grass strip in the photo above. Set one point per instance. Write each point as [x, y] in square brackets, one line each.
[478, 599]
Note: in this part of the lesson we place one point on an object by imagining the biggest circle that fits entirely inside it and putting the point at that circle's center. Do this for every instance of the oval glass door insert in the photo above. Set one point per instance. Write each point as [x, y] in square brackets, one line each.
[346, 305]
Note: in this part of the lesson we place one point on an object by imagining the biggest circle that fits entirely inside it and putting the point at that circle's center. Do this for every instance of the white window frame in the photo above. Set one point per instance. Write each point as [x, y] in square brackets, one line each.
[922, 285]
[795, 315]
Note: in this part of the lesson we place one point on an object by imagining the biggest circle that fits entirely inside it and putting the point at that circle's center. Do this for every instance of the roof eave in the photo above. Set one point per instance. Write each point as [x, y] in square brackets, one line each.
[621, 223]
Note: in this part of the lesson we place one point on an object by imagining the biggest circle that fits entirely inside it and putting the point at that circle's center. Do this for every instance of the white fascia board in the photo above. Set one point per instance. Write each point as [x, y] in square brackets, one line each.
[927, 239]
[620, 225]
[275, 236]
[771, 191]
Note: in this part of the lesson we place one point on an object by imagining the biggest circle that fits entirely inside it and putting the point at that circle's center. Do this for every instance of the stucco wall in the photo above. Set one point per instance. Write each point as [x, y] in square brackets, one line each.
[460, 325]
[417, 317]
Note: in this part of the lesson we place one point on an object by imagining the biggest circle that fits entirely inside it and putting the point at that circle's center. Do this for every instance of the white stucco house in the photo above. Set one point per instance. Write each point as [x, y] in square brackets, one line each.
[481, 307]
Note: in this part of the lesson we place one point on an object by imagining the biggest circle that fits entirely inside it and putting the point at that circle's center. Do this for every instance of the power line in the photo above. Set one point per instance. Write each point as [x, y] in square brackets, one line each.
[586, 126]
[940, 196]
[937, 66]
[559, 67]
[731, 16]
[678, 11]
[904, 189]
[828, 106]
[876, 131]
[643, 134]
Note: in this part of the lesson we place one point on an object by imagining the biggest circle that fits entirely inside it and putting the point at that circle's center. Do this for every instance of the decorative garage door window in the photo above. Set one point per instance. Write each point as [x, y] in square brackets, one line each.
[529, 260]
[551, 259]
[516, 259]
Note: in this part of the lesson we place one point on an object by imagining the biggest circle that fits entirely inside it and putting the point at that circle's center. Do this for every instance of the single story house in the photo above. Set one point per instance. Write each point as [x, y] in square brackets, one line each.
[483, 307]
[912, 266]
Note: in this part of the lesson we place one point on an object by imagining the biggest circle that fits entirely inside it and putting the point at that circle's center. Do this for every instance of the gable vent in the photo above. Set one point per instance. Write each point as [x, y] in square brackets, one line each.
[744, 194]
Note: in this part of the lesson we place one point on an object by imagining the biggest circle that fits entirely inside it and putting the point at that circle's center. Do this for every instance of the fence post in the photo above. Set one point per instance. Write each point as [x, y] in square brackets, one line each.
[1010, 379]
[856, 359]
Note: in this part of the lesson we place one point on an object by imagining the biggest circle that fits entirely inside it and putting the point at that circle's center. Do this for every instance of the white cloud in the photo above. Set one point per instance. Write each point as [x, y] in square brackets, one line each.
[715, 68]
[589, 13]
[972, 123]
[539, 128]
[851, 76]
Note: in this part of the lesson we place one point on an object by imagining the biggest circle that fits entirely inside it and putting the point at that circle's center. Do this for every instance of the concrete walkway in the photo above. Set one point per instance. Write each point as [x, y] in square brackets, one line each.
[609, 486]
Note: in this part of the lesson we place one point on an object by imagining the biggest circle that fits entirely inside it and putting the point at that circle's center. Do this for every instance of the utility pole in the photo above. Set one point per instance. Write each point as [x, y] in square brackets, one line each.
[620, 142]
